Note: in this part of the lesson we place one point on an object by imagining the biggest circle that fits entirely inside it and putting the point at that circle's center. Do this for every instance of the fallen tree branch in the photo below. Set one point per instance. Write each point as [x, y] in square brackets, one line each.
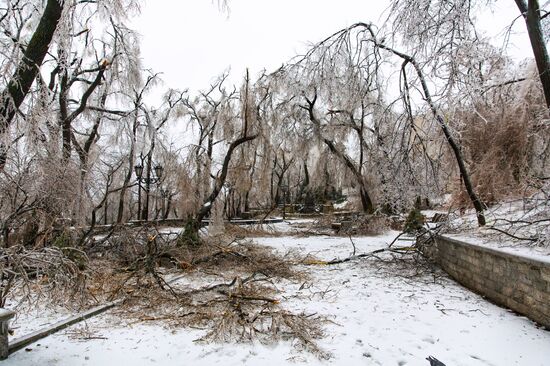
[512, 235]
[400, 250]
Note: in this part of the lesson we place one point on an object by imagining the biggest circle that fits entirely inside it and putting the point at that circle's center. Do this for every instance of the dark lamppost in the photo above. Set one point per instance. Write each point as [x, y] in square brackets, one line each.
[138, 169]
[164, 193]
[148, 180]
[284, 188]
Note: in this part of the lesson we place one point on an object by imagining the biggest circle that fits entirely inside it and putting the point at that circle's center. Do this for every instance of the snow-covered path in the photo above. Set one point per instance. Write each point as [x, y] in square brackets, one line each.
[386, 319]
[378, 318]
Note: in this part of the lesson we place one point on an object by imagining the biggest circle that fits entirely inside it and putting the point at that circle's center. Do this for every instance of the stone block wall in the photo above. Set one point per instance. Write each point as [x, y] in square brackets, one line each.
[514, 281]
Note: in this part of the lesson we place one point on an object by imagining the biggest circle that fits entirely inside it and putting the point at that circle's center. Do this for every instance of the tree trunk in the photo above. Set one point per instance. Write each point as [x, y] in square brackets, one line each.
[191, 233]
[207, 206]
[128, 177]
[366, 201]
[531, 15]
[168, 207]
[20, 84]
[65, 124]
[478, 204]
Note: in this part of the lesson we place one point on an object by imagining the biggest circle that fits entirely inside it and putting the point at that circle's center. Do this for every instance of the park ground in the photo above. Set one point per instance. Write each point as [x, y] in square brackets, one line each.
[375, 311]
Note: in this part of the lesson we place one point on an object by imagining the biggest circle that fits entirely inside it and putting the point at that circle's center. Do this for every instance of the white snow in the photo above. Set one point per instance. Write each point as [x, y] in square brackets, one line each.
[288, 226]
[541, 254]
[28, 320]
[340, 206]
[464, 227]
[171, 230]
[378, 317]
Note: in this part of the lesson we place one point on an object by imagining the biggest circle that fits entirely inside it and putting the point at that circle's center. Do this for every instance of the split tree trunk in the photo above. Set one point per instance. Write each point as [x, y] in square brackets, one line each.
[194, 224]
[366, 200]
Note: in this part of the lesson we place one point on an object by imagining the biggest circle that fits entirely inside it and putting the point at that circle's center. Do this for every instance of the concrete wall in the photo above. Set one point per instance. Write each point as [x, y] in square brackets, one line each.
[513, 281]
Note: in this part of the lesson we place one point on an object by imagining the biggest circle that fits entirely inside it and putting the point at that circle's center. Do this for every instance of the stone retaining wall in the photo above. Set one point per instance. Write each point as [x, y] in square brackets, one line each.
[513, 281]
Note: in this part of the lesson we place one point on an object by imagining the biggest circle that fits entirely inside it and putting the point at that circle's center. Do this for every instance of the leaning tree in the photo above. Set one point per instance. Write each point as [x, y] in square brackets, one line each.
[359, 57]
[438, 30]
[225, 126]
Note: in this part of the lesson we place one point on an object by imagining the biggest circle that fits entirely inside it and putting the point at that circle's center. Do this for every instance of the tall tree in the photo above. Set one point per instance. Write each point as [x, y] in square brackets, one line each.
[532, 14]
[235, 124]
[357, 50]
[12, 97]
[440, 28]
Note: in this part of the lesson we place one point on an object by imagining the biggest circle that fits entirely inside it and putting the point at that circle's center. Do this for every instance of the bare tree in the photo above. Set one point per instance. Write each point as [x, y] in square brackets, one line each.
[239, 127]
[442, 28]
[533, 15]
[356, 55]
[133, 124]
[356, 169]
[12, 97]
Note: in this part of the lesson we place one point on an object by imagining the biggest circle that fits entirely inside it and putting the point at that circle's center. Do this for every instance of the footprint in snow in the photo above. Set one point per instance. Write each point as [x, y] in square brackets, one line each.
[428, 340]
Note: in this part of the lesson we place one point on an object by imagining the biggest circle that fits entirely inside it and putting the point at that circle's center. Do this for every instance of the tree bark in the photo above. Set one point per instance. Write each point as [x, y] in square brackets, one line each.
[531, 14]
[129, 172]
[478, 204]
[145, 208]
[194, 225]
[20, 84]
[366, 201]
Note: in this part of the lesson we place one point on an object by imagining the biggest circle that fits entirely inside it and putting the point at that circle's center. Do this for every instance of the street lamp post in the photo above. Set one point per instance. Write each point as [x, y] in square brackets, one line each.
[148, 180]
[163, 194]
[138, 169]
[284, 188]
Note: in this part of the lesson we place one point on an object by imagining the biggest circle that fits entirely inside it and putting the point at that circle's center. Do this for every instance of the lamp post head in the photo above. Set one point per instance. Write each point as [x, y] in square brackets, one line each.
[138, 170]
[159, 170]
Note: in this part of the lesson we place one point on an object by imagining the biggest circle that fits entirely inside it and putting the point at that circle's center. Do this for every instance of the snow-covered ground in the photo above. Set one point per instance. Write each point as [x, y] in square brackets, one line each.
[29, 319]
[378, 317]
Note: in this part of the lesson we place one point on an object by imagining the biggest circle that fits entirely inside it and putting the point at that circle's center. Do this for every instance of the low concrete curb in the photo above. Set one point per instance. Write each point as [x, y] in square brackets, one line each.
[21, 342]
[24, 341]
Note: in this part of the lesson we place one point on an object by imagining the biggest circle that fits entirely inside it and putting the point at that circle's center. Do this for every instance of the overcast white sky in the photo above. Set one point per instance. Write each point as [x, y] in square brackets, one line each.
[192, 41]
